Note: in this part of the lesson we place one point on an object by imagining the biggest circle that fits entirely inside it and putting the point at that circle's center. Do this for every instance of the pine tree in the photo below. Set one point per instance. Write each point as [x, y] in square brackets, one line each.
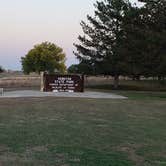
[155, 29]
[134, 42]
[102, 44]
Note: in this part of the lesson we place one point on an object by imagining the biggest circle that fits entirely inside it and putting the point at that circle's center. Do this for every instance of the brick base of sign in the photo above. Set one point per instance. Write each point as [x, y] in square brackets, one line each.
[62, 83]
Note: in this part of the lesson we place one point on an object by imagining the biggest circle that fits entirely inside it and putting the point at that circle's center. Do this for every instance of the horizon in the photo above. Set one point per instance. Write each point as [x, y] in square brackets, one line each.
[27, 23]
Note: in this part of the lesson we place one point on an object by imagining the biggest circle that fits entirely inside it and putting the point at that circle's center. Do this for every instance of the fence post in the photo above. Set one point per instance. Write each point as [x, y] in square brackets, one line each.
[42, 81]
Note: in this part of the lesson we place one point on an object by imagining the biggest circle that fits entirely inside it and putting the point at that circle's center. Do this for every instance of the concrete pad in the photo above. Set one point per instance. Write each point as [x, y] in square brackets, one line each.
[87, 94]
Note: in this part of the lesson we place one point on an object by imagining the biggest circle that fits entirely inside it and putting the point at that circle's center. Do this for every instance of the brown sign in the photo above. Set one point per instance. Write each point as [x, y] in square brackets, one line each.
[63, 83]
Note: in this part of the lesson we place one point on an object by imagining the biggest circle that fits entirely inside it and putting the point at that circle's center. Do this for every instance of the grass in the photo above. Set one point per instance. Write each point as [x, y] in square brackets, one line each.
[142, 85]
[143, 95]
[18, 79]
[136, 95]
[83, 132]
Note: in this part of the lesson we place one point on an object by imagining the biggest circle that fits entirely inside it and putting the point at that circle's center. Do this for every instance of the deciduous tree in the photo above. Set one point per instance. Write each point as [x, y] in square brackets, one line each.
[44, 57]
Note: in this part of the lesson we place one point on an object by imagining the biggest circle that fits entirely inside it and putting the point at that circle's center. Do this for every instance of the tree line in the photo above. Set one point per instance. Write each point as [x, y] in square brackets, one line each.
[122, 39]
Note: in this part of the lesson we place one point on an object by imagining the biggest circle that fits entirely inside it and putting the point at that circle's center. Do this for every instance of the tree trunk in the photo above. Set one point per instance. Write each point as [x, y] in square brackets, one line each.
[116, 81]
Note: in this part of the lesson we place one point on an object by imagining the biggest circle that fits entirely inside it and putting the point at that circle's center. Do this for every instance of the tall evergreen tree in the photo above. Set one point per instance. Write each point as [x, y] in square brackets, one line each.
[154, 16]
[102, 44]
[134, 41]
[145, 30]
[122, 39]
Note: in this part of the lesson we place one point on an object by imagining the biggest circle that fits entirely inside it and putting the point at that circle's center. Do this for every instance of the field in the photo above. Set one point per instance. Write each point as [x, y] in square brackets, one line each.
[103, 83]
[21, 81]
[84, 132]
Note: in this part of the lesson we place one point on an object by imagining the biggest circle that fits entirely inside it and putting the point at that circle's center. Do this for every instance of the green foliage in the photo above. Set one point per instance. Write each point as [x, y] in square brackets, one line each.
[73, 68]
[102, 44]
[123, 39]
[154, 14]
[81, 68]
[44, 57]
[145, 40]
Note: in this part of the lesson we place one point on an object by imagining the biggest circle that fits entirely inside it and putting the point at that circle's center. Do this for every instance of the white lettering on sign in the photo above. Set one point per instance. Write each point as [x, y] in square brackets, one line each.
[63, 84]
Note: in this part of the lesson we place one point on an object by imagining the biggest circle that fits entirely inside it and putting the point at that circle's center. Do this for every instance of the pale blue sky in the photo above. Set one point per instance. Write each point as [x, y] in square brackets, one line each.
[24, 23]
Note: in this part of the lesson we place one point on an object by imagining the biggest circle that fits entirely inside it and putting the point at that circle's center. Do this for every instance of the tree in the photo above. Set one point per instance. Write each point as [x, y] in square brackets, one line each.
[44, 57]
[73, 69]
[123, 39]
[102, 44]
[145, 42]
[134, 42]
[81, 68]
[155, 20]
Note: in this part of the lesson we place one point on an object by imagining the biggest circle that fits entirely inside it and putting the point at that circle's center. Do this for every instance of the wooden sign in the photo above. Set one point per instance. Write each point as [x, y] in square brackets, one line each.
[63, 83]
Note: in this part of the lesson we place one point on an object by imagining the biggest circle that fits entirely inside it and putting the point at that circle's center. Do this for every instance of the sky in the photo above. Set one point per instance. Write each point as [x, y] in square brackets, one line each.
[24, 23]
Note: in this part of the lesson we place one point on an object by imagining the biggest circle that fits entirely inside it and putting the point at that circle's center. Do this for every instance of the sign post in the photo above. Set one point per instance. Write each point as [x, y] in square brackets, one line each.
[63, 83]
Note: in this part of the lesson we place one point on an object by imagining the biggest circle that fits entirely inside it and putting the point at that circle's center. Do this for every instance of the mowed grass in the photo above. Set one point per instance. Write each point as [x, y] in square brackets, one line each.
[83, 132]
[129, 85]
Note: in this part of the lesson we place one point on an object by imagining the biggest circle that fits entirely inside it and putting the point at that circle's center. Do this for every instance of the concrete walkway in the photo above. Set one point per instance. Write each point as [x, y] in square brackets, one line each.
[87, 94]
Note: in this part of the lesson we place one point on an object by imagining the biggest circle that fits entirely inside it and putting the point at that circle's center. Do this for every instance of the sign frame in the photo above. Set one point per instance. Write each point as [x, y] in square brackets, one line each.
[62, 83]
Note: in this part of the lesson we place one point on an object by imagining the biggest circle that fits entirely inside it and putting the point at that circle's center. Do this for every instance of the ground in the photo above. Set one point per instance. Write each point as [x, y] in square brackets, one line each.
[84, 132]
[37, 93]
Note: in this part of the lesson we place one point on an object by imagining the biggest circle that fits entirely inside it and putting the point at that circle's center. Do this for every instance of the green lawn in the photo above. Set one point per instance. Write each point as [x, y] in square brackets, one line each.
[84, 132]
[142, 85]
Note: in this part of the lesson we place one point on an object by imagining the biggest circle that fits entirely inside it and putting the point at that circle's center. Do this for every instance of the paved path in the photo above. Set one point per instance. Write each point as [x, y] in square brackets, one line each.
[87, 94]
